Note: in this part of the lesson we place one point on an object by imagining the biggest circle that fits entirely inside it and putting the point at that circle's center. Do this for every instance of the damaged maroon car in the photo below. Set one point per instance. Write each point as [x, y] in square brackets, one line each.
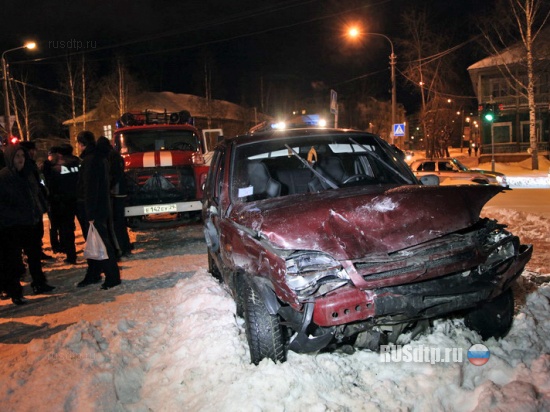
[326, 238]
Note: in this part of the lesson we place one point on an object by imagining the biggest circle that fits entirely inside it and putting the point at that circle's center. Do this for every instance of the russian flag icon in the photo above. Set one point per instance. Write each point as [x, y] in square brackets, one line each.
[478, 354]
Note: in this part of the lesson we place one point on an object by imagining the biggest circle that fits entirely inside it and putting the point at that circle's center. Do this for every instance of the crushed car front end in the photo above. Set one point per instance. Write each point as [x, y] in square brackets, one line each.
[442, 276]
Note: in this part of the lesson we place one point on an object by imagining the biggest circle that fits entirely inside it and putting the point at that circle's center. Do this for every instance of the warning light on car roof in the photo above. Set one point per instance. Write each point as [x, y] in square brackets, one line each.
[278, 126]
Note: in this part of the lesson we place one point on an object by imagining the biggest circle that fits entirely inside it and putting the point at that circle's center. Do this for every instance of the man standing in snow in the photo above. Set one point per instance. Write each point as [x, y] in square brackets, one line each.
[94, 198]
[21, 212]
[63, 181]
[32, 239]
[117, 183]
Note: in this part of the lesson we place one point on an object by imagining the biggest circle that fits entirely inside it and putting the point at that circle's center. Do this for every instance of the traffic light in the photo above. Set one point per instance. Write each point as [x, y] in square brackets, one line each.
[488, 112]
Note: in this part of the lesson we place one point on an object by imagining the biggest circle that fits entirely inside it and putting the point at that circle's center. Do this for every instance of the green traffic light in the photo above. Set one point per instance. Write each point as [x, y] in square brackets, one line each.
[489, 117]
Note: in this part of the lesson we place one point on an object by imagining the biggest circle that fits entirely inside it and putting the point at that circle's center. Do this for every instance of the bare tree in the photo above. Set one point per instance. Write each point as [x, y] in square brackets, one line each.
[15, 111]
[22, 111]
[521, 24]
[427, 60]
[76, 76]
[83, 87]
[71, 72]
[118, 88]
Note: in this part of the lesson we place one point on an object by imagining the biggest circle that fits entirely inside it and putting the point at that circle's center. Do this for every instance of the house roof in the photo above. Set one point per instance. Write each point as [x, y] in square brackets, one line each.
[91, 116]
[517, 53]
[196, 105]
[174, 102]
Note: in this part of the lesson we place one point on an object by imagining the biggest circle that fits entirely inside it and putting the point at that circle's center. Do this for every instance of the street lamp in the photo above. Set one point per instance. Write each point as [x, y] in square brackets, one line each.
[354, 32]
[7, 123]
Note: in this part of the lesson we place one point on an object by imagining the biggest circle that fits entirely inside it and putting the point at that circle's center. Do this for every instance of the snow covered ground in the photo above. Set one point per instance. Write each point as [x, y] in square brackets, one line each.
[168, 339]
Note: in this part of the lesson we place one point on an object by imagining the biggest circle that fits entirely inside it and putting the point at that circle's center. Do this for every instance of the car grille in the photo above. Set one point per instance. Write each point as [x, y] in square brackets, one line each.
[161, 185]
[438, 257]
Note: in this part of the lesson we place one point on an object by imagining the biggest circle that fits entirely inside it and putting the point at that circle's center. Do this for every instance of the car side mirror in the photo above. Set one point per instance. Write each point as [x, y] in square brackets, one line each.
[430, 180]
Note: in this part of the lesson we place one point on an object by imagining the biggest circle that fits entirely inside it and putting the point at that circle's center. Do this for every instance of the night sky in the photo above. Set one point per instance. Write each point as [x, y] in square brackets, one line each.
[166, 43]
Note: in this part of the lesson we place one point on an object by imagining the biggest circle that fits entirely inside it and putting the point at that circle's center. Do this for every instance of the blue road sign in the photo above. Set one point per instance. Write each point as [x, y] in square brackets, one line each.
[399, 129]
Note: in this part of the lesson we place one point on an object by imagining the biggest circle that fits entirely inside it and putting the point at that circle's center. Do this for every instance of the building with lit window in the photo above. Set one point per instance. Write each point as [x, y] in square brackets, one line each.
[495, 80]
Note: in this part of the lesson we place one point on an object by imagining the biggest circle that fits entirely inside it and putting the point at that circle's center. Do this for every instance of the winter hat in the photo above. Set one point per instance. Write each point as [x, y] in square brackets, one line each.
[28, 145]
[66, 149]
[9, 154]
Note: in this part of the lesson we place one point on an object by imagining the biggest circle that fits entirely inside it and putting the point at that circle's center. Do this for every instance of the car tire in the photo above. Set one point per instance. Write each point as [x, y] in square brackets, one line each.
[493, 319]
[263, 330]
[239, 295]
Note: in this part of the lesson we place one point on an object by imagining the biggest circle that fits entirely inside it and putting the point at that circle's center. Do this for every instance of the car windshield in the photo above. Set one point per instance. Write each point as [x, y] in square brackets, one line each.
[286, 166]
[137, 141]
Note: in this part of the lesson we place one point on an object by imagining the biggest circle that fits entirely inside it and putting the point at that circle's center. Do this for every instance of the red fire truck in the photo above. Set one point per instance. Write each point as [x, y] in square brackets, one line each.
[164, 164]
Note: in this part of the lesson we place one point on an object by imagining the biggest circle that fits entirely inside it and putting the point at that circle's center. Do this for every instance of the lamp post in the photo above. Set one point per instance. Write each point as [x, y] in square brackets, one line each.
[354, 32]
[7, 123]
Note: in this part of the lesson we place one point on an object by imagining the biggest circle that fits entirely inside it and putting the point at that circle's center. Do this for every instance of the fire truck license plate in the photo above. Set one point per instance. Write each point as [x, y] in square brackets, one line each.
[149, 210]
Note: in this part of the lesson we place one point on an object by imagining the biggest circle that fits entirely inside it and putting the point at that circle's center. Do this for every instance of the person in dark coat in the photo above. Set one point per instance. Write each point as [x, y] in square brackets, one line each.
[30, 164]
[47, 167]
[119, 192]
[33, 238]
[62, 185]
[94, 199]
[20, 211]
[2, 161]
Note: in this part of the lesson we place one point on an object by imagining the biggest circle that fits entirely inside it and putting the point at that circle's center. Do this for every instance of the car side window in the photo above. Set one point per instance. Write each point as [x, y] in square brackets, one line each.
[427, 167]
[445, 167]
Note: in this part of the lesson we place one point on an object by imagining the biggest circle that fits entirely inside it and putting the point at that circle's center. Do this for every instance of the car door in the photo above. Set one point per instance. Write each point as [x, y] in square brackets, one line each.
[211, 201]
[423, 168]
[446, 170]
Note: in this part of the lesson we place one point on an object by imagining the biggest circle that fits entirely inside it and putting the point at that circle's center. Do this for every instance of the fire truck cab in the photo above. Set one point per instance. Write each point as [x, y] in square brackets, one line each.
[164, 164]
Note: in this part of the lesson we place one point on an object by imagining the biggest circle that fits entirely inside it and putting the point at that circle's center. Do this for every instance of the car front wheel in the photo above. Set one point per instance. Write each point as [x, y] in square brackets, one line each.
[493, 319]
[263, 330]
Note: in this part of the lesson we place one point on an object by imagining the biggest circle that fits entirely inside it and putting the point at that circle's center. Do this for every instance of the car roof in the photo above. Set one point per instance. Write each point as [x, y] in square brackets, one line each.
[435, 159]
[292, 133]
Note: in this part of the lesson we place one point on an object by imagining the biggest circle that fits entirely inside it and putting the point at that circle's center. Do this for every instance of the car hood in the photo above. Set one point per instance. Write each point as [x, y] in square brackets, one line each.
[353, 222]
[487, 172]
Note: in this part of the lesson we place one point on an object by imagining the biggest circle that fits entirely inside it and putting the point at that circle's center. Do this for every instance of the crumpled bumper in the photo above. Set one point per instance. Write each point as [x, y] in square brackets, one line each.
[420, 291]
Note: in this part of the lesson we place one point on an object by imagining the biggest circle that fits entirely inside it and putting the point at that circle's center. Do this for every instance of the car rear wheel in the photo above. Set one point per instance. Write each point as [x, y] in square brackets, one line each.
[263, 330]
[493, 319]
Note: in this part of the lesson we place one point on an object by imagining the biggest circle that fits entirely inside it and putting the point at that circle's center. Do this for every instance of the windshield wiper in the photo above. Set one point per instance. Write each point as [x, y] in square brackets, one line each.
[315, 172]
[388, 166]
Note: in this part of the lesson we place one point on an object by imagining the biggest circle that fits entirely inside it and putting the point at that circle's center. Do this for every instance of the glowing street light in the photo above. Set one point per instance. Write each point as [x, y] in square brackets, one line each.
[354, 32]
[7, 122]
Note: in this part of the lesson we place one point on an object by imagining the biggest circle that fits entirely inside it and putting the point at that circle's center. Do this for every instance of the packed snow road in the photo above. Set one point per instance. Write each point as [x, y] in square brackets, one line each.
[168, 339]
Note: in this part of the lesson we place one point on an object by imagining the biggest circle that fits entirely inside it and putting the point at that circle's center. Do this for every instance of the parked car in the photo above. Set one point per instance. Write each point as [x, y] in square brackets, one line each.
[450, 169]
[326, 238]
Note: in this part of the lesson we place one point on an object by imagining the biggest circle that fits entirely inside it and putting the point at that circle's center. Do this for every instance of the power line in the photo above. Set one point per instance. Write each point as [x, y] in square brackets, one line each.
[43, 89]
[209, 25]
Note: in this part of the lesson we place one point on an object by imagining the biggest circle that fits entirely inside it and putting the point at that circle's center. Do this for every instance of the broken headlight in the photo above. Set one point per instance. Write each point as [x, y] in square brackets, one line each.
[308, 272]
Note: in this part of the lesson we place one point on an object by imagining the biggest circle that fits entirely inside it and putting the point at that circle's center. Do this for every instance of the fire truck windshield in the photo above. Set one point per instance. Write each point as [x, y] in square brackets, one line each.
[137, 141]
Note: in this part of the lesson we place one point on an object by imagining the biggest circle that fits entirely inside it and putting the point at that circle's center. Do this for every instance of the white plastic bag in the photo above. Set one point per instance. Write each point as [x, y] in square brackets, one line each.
[95, 248]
